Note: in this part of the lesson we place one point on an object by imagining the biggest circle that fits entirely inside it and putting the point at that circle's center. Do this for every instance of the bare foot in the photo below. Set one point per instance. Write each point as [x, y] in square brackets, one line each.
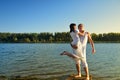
[87, 78]
[77, 76]
[63, 53]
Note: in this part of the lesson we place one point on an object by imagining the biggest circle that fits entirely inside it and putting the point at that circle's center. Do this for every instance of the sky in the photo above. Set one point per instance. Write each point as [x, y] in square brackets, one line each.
[26, 16]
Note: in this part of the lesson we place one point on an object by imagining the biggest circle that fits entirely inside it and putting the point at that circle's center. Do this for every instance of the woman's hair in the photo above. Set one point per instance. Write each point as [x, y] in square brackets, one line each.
[72, 27]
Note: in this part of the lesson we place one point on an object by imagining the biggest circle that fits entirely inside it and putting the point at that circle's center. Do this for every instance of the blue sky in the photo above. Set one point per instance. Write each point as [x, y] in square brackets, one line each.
[98, 16]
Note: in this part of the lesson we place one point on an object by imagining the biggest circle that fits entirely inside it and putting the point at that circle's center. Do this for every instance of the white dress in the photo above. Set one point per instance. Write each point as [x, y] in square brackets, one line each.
[76, 41]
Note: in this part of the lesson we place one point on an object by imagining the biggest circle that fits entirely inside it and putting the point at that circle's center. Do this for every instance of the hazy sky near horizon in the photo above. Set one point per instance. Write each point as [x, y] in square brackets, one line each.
[98, 16]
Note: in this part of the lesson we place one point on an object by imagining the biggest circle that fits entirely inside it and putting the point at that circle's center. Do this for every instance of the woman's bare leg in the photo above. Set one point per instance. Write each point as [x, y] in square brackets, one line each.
[69, 54]
[77, 63]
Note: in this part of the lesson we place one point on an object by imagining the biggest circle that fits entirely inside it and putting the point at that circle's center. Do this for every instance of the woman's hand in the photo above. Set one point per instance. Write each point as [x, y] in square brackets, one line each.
[81, 34]
[73, 46]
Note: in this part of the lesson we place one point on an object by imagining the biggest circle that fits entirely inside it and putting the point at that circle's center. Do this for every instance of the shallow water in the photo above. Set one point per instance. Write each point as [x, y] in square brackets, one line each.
[44, 61]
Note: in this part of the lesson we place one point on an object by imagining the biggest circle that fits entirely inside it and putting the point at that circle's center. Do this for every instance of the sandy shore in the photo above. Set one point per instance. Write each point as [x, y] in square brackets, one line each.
[65, 77]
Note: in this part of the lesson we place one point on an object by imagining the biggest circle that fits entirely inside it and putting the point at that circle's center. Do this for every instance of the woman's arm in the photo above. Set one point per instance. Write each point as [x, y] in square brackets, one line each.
[80, 34]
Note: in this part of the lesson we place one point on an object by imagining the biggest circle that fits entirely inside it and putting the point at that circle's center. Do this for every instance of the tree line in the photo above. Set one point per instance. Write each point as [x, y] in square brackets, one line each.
[47, 37]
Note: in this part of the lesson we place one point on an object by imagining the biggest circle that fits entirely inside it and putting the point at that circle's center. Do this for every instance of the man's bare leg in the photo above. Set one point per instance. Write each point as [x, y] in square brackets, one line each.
[78, 70]
[87, 72]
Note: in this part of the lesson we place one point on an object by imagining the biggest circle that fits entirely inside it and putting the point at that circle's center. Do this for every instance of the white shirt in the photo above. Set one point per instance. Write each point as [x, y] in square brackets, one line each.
[84, 39]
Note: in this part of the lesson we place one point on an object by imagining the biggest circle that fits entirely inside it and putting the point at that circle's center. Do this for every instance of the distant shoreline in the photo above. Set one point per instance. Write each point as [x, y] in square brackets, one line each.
[56, 42]
[58, 37]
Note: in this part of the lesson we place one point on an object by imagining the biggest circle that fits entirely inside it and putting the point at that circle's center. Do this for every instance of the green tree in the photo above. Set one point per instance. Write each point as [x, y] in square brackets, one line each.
[27, 40]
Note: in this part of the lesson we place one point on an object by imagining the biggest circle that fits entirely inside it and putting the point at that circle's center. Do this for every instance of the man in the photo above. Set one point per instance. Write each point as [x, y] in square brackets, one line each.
[84, 40]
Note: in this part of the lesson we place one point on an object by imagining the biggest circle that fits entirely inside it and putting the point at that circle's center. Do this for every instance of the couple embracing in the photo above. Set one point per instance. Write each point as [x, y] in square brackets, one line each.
[78, 45]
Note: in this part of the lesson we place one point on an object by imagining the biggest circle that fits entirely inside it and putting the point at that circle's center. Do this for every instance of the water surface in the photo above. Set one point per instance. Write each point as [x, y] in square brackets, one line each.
[44, 61]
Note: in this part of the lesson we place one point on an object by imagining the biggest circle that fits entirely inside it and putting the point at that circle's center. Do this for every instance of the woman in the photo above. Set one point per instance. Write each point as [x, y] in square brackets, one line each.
[77, 53]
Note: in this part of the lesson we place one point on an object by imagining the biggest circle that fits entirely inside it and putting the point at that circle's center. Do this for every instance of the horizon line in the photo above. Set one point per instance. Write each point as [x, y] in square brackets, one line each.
[55, 32]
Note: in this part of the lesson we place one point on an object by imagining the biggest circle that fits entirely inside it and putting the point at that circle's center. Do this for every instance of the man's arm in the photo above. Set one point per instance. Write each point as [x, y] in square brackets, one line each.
[91, 42]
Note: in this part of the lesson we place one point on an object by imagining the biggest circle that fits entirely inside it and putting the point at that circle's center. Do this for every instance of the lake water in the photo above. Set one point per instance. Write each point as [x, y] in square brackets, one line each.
[44, 61]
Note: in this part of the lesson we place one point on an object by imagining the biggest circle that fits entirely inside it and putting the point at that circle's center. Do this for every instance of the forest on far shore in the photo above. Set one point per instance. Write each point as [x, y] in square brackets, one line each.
[56, 37]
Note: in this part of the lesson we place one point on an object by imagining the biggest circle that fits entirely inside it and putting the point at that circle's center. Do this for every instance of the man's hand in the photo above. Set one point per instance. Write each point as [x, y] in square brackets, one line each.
[73, 46]
[93, 51]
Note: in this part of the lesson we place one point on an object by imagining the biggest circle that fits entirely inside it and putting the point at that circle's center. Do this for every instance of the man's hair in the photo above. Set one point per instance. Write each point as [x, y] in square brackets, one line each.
[80, 25]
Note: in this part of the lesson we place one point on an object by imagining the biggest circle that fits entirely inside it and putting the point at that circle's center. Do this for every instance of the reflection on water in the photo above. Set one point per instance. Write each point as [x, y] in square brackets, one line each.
[43, 60]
